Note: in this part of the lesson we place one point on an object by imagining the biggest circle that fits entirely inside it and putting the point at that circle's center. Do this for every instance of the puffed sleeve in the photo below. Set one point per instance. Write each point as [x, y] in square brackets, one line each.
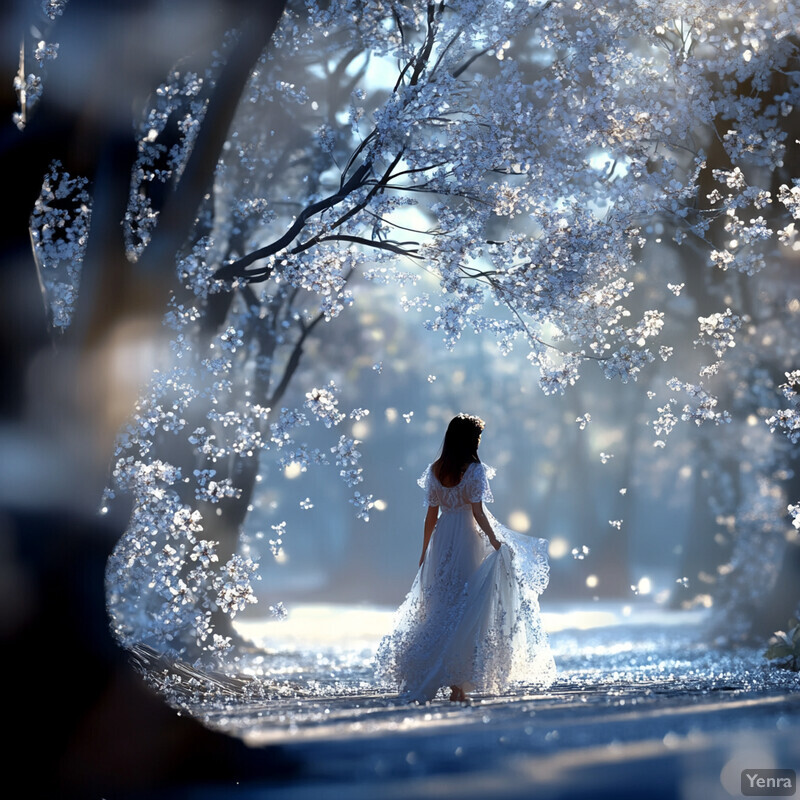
[478, 489]
[426, 483]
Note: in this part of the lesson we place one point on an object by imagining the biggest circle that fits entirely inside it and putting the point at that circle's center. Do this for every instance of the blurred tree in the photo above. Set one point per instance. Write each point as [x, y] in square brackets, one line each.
[61, 404]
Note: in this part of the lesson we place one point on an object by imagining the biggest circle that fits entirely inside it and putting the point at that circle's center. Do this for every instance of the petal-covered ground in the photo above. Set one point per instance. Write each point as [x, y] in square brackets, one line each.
[643, 706]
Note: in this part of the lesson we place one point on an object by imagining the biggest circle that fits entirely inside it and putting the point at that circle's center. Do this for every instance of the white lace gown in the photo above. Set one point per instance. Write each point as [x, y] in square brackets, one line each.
[471, 618]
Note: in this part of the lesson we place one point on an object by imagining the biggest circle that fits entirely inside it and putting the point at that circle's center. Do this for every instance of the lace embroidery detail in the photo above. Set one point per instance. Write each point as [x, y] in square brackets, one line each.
[473, 487]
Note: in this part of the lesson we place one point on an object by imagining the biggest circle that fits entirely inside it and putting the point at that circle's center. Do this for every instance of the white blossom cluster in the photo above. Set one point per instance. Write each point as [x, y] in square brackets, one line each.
[787, 420]
[363, 504]
[46, 51]
[701, 406]
[569, 271]
[163, 579]
[180, 101]
[28, 88]
[666, 420]
[717, 331]
[54, 8]
[275, 545]
[59, 227]
[30, 78]
[168, 580]
[323, 404]
[235, 588]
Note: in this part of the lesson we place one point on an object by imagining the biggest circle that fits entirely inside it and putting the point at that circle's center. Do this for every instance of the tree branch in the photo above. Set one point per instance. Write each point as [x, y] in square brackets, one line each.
[294, 361]
[380, 244]
[236, 268]
[469, 61]
[239, 268]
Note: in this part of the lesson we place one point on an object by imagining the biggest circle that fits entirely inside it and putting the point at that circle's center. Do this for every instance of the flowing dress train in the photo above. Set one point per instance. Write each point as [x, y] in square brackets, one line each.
[471, 618]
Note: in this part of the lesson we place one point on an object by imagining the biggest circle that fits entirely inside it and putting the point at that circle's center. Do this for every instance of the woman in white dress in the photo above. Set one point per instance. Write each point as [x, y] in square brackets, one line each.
[471, 619]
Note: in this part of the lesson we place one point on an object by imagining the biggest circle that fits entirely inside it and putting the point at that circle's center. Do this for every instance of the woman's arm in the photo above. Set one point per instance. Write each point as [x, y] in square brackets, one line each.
[430, 524]
[483, 522]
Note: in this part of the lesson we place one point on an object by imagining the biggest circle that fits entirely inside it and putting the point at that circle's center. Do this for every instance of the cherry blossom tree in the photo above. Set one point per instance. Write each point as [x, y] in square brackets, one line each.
[610, 186]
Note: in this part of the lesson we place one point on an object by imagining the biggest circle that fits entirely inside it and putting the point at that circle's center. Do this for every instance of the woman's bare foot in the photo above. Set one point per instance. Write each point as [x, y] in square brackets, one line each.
[457, 694]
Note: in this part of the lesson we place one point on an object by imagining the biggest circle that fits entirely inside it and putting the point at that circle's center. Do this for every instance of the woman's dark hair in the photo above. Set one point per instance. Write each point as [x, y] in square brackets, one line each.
[459, 448]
